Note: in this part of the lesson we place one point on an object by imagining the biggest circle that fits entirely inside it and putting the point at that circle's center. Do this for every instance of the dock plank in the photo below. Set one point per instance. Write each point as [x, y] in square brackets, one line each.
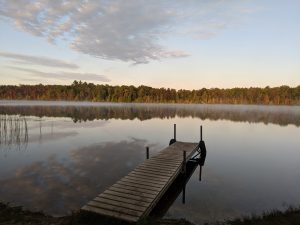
[115, 208]
[127, 192]
[110, 213]
[128, 183]
[136, 181]
[124, 199]
[146, 177]
[157, 169]
[121, 204]
[149, 174]
[133, 195]
[162, 165]
[146, 181]
[146, 191]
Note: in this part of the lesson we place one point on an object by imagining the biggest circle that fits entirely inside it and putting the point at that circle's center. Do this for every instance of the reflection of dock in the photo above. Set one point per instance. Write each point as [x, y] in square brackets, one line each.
[178, 187]
[135, 195]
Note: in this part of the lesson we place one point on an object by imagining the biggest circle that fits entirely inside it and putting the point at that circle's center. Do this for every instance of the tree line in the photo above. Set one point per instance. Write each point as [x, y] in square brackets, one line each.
[82, 91]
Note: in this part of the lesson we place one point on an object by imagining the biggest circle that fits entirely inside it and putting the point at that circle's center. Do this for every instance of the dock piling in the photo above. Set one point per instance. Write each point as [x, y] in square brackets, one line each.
[200, 173]
[147, 152]
[173, 140]
[183, 194]
[175, 132]
[201, 133]
[184, 162]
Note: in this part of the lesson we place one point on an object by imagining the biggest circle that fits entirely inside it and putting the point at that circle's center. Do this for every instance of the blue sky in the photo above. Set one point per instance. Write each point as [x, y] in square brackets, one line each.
[171, 43]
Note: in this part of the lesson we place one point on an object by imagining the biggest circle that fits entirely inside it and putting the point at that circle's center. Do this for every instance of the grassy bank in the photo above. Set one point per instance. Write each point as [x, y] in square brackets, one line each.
[289, 217]
[17, 216]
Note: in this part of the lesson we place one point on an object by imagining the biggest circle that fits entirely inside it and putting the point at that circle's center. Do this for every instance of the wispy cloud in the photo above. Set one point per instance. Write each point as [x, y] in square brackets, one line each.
[62, 75]
[129, 31]
[38, 60]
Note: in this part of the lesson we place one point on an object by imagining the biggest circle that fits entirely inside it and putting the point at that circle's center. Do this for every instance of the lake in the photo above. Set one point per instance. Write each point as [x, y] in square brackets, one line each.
[56, 156]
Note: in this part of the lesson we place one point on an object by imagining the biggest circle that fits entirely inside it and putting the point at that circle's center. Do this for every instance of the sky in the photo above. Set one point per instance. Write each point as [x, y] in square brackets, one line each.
[181, 44]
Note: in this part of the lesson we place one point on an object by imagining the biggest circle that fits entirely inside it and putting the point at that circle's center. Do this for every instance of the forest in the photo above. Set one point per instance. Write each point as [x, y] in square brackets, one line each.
[82, 91]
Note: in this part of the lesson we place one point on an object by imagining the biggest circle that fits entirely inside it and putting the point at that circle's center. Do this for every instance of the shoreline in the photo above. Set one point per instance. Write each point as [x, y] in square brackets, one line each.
[16, 215]
[59, 102]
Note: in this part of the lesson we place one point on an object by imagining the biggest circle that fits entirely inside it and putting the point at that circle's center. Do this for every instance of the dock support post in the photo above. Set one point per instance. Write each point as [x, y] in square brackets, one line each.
[183, 193]
[202, 153]
[184, 163]
[201, 133]
[175, 132]
[147, 152]
[200, 173]
[173, 140]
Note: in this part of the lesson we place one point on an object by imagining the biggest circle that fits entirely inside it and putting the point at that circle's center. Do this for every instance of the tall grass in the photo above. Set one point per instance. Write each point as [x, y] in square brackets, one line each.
[13, 132]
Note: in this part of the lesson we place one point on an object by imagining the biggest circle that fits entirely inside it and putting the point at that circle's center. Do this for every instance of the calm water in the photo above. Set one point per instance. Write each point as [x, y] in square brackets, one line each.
[55, 156]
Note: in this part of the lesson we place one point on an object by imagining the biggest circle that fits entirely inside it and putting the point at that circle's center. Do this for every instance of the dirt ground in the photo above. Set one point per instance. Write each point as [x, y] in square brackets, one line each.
[17, 216]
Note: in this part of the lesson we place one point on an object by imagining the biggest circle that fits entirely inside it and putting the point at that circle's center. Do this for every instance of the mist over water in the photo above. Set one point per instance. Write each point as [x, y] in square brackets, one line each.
[73, 151]
[84, 111]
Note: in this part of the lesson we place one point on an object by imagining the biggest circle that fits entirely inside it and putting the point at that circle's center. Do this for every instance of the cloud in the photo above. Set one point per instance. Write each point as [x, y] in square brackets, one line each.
[210, 30]
[130, 31]
[38, 60]
[62, 75]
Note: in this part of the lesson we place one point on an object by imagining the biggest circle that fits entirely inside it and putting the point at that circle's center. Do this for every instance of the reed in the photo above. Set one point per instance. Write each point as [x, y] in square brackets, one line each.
[13, 132]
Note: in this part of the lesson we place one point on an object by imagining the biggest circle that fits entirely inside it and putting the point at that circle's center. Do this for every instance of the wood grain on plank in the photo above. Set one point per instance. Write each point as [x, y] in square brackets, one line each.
[155, 185]
[111, 213]
[146, 176]
[121, 204]
[146, 191]
[124, 199]
[115, 208]
[128, 183]
[134, 192]
[150, 181]
[133, 196]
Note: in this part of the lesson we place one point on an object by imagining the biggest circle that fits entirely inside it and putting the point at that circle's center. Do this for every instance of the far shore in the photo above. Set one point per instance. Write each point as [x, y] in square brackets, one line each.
[82, 91]
[26, 102]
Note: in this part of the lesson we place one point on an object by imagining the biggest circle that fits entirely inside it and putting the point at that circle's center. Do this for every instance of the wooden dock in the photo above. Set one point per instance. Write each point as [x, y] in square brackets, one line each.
[135, 195]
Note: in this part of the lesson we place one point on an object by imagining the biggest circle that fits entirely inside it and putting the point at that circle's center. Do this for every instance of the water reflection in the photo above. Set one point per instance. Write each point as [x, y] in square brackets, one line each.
[13, 132]
[59, 185]
[281, 115]
[48, 137]
[66, 163]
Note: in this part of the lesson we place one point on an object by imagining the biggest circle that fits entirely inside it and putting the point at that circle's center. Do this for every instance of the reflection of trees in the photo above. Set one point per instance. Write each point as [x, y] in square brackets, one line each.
[270, 114]
[13, 131]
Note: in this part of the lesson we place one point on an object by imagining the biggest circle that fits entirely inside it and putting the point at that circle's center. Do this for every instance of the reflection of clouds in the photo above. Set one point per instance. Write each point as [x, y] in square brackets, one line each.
[51, 136]
[57, 187]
